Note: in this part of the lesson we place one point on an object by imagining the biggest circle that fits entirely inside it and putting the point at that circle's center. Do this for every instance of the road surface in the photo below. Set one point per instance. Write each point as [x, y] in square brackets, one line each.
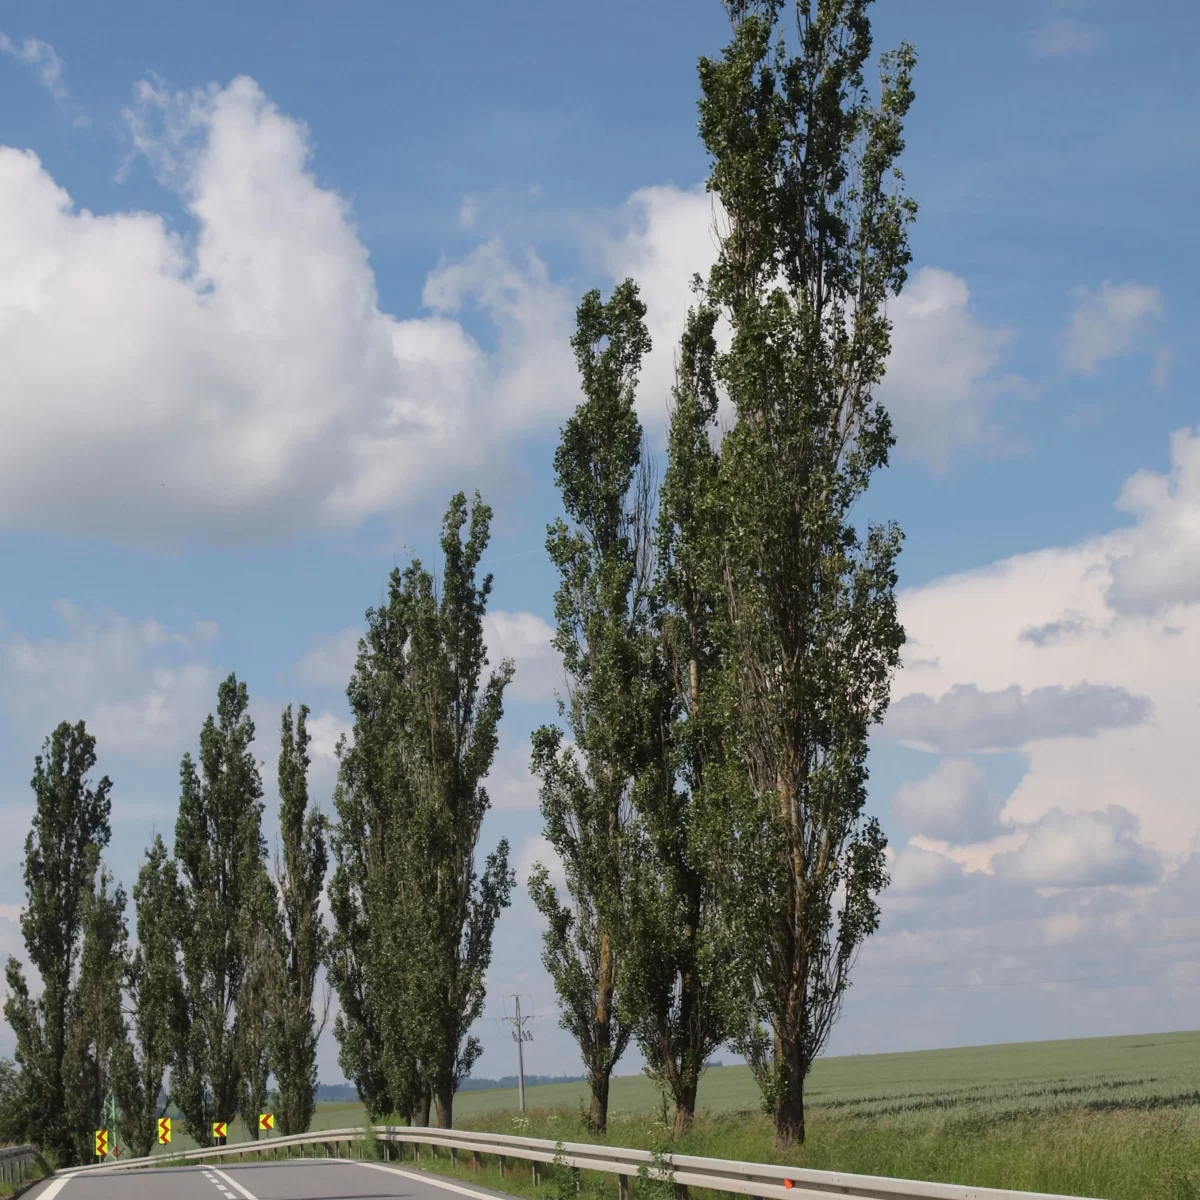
[298, 1179]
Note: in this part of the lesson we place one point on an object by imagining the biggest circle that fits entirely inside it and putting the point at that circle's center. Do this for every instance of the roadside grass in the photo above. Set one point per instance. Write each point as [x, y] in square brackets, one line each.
[1108, 1118]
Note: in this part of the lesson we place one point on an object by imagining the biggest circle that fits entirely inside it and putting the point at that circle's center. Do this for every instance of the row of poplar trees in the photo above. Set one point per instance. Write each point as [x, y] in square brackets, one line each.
[216, 994]
[729, 635]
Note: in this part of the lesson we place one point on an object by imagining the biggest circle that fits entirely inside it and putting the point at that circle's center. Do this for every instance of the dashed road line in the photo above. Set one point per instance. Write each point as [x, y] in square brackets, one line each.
[233, 1183]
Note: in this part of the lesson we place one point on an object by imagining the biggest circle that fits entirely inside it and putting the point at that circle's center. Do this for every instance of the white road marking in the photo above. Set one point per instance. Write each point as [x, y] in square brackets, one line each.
[421, 1177]
[233, 1183]
[56, 1186]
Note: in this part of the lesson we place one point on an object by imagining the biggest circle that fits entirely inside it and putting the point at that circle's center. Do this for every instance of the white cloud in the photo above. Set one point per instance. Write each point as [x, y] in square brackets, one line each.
[951, 804]
[1106, 321]
[525, 638]
[139, 686]
[536, 850]
[1102, 712]
[244, 385]
[942, 381]
[918, 872]
[1161, 566]
[511, 786]
[1088, 849]
[967, 719]
[1066, 37]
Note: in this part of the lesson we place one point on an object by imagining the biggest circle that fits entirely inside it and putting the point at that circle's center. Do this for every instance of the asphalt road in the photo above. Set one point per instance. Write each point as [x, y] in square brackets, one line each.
[295, 1180]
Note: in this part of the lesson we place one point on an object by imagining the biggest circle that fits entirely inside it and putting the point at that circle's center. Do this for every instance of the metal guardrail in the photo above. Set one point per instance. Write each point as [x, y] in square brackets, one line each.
[761, 1180]
[16, 1161]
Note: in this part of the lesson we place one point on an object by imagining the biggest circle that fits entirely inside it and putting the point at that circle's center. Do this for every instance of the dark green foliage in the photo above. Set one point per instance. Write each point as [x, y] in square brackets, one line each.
[680, 978]
[62, 857]
[815, 242]
[613, 708]
[301, 875]
[413, 919]
[220, 853]
[156, 1000]
[96, 1024]
[14, 1120]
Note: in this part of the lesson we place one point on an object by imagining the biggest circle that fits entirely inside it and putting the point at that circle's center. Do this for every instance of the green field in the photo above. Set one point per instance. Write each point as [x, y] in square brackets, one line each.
[1103, 1117]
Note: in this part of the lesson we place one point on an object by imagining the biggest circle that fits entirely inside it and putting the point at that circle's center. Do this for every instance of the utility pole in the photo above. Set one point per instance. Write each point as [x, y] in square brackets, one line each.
[520, 1036]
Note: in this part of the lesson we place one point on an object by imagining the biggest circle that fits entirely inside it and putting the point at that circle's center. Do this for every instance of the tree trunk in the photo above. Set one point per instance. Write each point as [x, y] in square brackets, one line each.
[685, 1103]
[789, 1099]
[445, 1106]
[599, 1113]
[422, 1112]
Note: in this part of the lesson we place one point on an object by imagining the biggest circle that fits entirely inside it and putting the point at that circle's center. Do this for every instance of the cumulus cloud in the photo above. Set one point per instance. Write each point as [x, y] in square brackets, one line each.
[1106, 321]
[1087, 849]
[525, 638]
[1161, 566]
[942, 379]
[918, 872]
[536, 850]
[142, 688]
[951, 804]
[967, 719]
[244, 384]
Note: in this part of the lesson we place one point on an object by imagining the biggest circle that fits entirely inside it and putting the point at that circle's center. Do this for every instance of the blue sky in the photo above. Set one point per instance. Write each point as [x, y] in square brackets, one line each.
[276, 279]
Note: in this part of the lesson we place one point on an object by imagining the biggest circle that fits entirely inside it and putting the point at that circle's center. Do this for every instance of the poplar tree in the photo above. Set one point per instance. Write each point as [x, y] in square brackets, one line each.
[62, 856]
[220, 852]
[813, 243]
[300, 877]
[602, 609]
[680, 980]
[96, 1023]
[413, 914]
[155, 998]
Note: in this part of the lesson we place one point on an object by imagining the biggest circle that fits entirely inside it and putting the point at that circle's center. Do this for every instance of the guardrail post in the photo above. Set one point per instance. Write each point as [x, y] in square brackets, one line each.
[502, 1165]
[624, 1187]
[535, 1169]
[454, 1156]
[474, 1161]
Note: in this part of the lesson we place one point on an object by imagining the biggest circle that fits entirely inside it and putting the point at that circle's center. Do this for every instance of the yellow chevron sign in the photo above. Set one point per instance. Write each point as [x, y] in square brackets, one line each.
[219, 1129]
[164, 1130]
[101, 1143]
[266, 1120]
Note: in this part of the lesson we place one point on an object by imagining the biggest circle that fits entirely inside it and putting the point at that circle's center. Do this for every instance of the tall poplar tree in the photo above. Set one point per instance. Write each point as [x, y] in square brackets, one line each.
[813, 243]
[155, 997]
[62, 856]
[300, 877]
[220, 851]
[602, 609]
[680, 980]
[96, 1023]
[413, 915]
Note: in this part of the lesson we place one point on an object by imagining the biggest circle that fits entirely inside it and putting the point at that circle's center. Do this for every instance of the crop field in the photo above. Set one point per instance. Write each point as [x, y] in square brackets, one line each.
[1104, 1117]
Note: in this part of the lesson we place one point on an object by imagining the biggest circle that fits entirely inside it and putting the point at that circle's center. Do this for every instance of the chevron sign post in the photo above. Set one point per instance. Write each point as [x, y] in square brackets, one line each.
[266, 1122]
[164, 1130]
